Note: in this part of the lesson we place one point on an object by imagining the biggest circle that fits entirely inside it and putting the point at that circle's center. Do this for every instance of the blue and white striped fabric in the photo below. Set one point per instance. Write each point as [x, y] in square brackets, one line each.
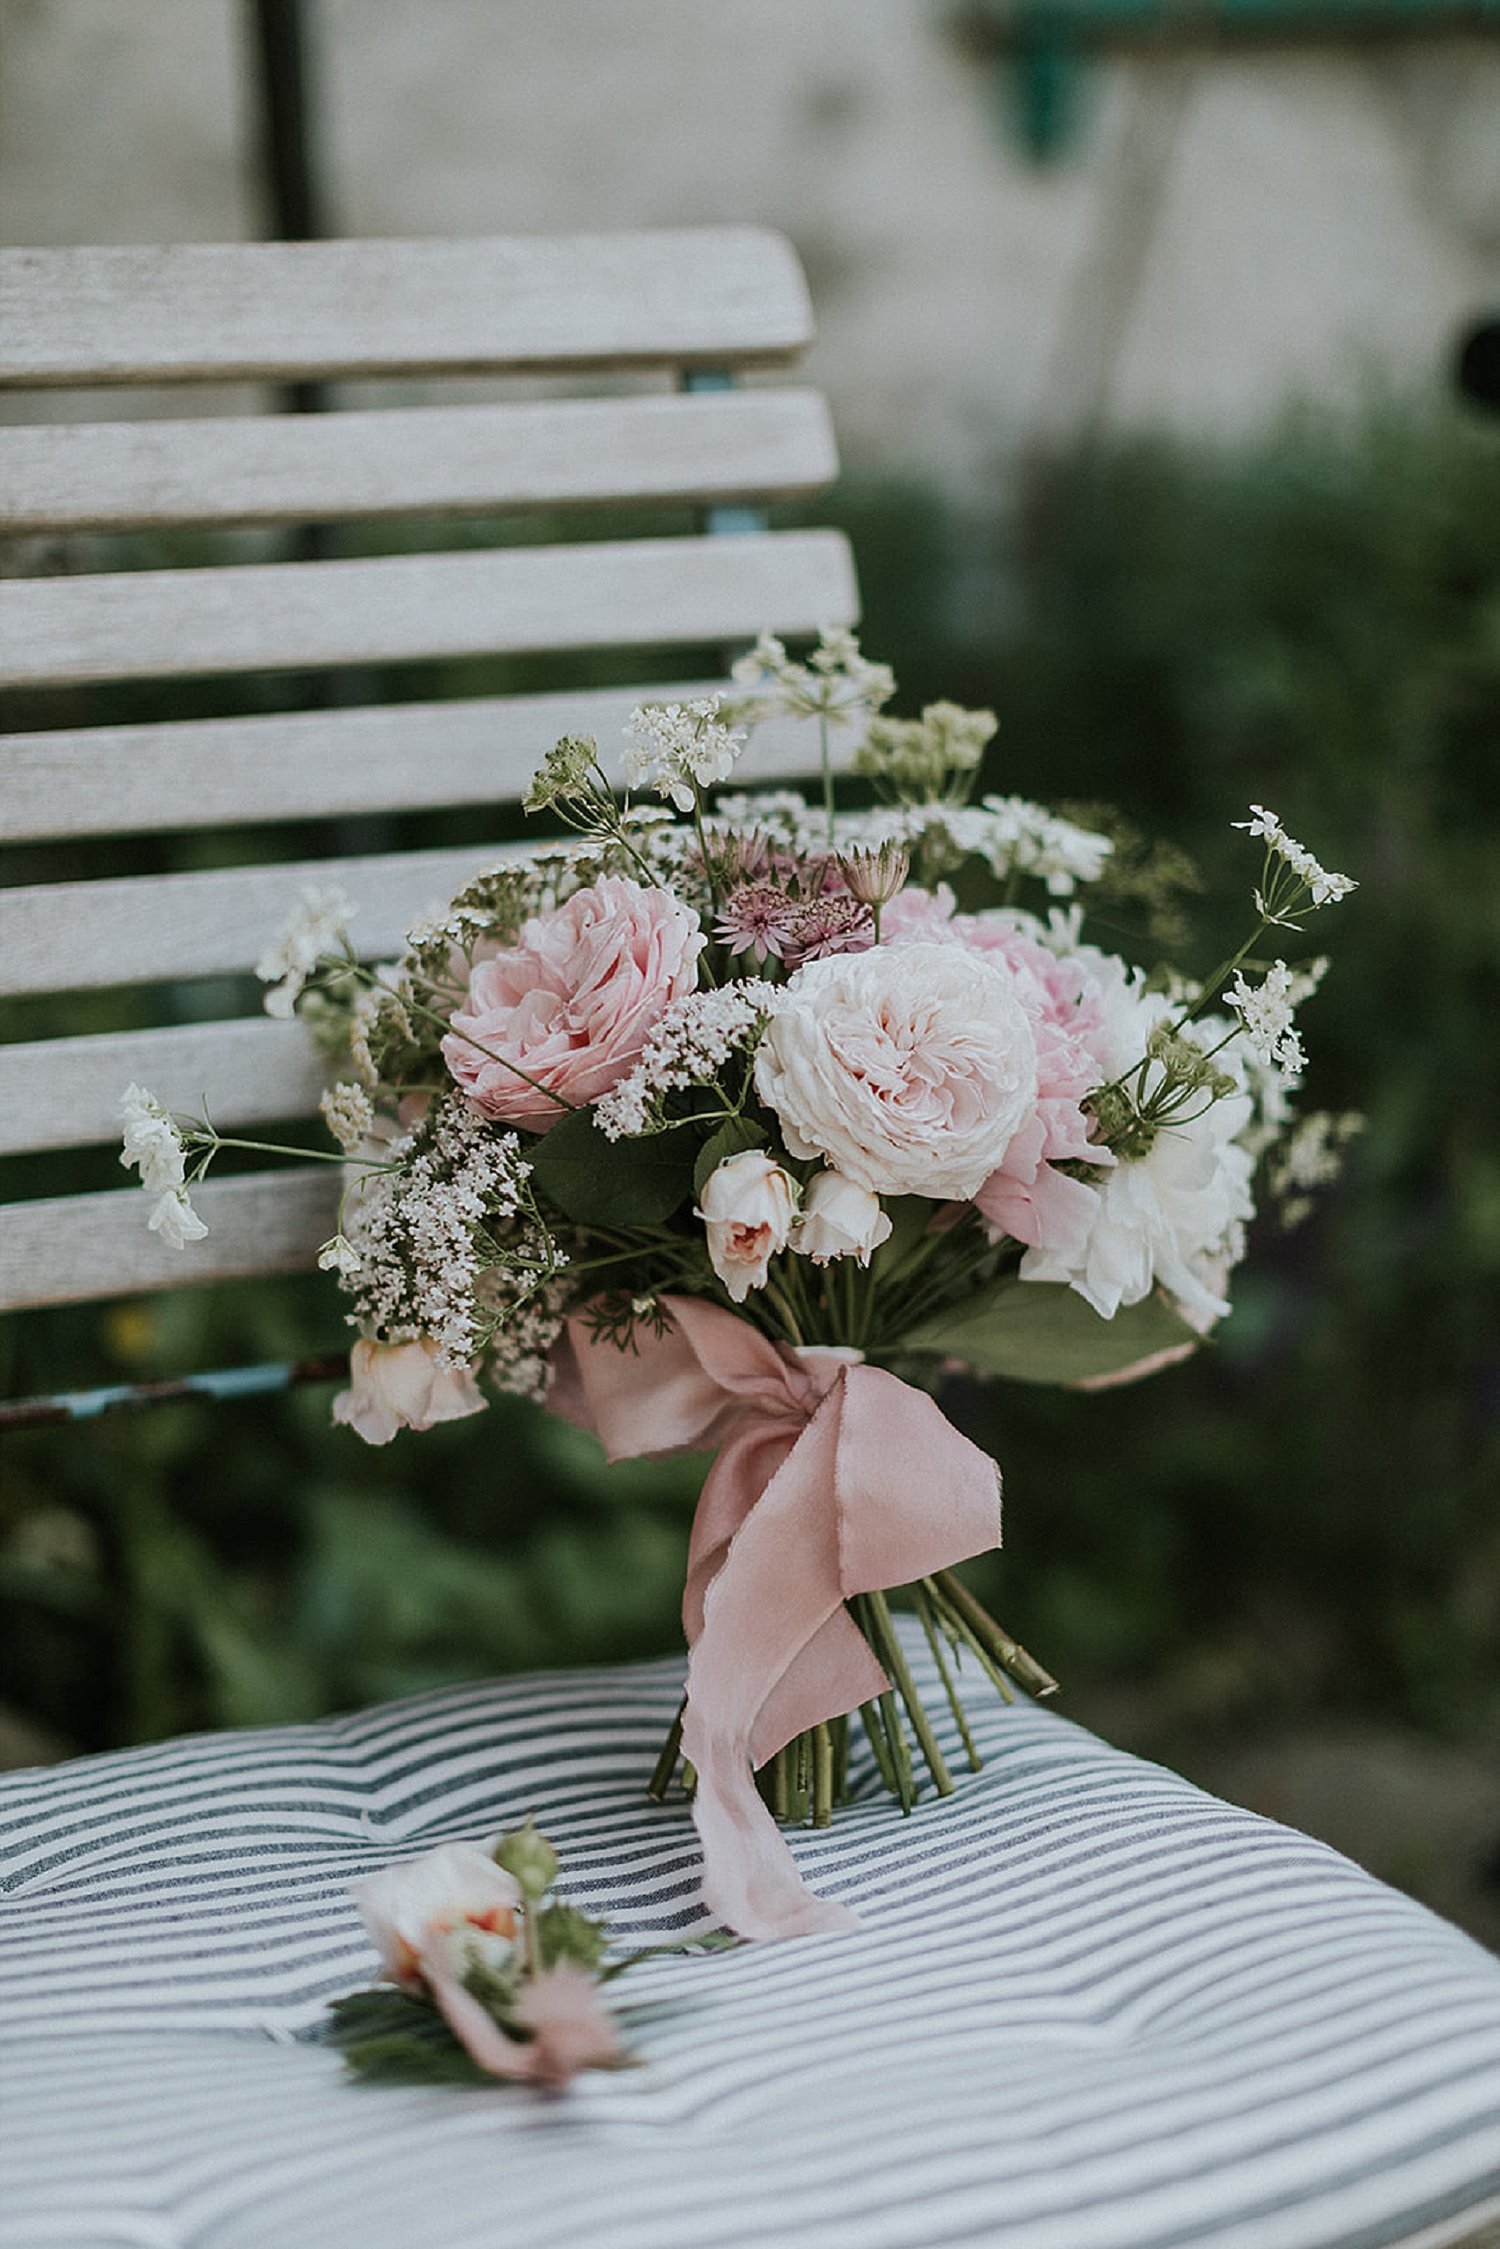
[1091, 2008]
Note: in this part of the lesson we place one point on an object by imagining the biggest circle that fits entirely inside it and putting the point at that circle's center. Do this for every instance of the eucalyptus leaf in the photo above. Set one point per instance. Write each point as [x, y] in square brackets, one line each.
[601, 1182]
[733, 1138]
[1041, 1331]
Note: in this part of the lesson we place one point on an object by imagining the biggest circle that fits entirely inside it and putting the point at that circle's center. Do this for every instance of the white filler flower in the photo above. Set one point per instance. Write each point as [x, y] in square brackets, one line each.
[908, 1067]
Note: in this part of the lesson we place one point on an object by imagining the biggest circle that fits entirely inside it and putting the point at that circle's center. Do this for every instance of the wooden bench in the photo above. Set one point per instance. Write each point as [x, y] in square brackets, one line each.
[682, 313]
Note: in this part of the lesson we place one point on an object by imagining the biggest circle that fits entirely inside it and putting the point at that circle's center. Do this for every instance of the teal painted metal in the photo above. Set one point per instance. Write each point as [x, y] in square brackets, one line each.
[1040, 48]
[215, 1387]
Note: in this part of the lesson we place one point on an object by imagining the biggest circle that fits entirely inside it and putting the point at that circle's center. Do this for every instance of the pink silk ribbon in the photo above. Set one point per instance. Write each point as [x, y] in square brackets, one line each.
[832, 1478]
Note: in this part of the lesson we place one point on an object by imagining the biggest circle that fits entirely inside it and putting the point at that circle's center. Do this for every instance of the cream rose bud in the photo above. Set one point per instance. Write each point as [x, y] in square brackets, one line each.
[749, 1208]
[403, 1386]
[908, 1068]
[839, 1219]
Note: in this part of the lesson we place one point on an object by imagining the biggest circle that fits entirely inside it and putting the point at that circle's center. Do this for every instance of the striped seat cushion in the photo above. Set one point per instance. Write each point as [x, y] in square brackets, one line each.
[1091, 2008]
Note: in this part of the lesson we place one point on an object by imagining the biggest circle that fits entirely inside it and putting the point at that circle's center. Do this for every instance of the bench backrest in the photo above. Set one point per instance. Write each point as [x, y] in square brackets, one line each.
[690, 307]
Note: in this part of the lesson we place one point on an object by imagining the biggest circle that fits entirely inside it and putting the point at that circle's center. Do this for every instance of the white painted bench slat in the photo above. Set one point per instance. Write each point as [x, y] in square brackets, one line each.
[67, 1248]
[285, 616]
[140, 929]
[306, 765]
[453, 460]
[65, 1093]
[689, 296]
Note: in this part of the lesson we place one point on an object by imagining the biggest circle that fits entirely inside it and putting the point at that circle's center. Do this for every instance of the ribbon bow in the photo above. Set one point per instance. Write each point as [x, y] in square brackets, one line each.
[832, 1478]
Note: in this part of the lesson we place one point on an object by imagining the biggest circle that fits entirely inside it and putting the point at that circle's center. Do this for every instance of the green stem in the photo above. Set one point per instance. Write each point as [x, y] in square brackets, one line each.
[892, 1655]
[666, 1763]
[827, 774]
[1008, 1653]
[940, 1664]
[822, 1776]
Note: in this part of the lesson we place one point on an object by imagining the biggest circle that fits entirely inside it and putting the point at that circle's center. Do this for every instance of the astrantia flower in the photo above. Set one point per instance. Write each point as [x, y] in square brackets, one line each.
[907, 1067]
[825, 926]
[757, 918]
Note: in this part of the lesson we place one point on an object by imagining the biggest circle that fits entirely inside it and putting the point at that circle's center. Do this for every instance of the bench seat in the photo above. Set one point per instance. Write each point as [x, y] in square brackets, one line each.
[1091, 2008]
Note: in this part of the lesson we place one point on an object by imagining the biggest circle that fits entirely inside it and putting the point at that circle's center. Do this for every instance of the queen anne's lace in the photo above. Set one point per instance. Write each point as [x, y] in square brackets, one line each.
[687, 1046]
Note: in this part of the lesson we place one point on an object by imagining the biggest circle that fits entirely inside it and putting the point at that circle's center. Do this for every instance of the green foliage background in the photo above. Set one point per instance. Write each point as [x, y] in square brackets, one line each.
[1305, 1517]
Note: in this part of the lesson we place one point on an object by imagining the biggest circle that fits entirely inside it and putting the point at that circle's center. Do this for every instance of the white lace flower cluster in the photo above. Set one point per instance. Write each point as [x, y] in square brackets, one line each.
[680, 749]
[412, 1258]
[1323, 888]
[836, 684]
[155, 1148]
[1311, 1156]
[688, 1045]
[317, 926]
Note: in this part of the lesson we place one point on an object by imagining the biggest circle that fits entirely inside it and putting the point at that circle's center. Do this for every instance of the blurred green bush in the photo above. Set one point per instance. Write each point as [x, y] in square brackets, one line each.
[1304, 1517]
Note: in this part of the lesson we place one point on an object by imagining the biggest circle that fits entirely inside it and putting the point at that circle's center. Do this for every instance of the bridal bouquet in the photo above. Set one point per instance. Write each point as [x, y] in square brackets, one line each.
[724, 1124]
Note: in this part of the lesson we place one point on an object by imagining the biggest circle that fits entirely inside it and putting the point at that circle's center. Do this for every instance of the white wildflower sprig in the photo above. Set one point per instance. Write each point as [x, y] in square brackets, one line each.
[1292, 884]
[687, 1046]
[680, 749]
[921, 760]
[155, 1146]
[837, 683]
[836, 686]
[316, 932]
[1311, 1156]
[1266, 1010]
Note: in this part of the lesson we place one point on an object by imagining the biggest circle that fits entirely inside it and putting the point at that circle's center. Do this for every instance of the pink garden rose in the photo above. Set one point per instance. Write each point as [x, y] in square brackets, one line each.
[403, 1386]
[571, 1001]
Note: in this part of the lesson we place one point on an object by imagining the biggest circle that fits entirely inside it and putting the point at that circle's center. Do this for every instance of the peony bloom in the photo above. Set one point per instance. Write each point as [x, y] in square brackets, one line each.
[839, 1219]
[748, 1210]
[909, 1068]
[412, 1907]
[403, 1386]
[571, 1001]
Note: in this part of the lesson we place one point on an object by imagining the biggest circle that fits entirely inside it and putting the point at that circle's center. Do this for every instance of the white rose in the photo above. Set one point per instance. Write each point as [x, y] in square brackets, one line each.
[401, 1386]
[839, 1219]
[410, 1907]
[749, 1207]
[909, 1067]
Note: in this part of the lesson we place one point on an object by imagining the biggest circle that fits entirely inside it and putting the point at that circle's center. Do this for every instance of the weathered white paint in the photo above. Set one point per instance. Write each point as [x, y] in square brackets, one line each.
[681, 296]
[148, 624]
[303, 765]
[67, 1248]
[461, 460]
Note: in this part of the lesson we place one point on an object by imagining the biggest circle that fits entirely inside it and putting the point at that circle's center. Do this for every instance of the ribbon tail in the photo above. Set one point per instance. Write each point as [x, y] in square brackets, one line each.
[760, 1614]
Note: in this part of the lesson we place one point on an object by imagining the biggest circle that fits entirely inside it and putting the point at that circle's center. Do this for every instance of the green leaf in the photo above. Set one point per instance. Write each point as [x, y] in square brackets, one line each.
[733, 1137]
[403, 2060]
[563, 1933]
[383, 2013]
[1040, 1331]
[600, 1182]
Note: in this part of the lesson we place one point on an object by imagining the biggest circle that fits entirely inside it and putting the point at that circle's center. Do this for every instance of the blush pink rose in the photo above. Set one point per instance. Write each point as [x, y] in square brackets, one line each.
[571, 1001]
